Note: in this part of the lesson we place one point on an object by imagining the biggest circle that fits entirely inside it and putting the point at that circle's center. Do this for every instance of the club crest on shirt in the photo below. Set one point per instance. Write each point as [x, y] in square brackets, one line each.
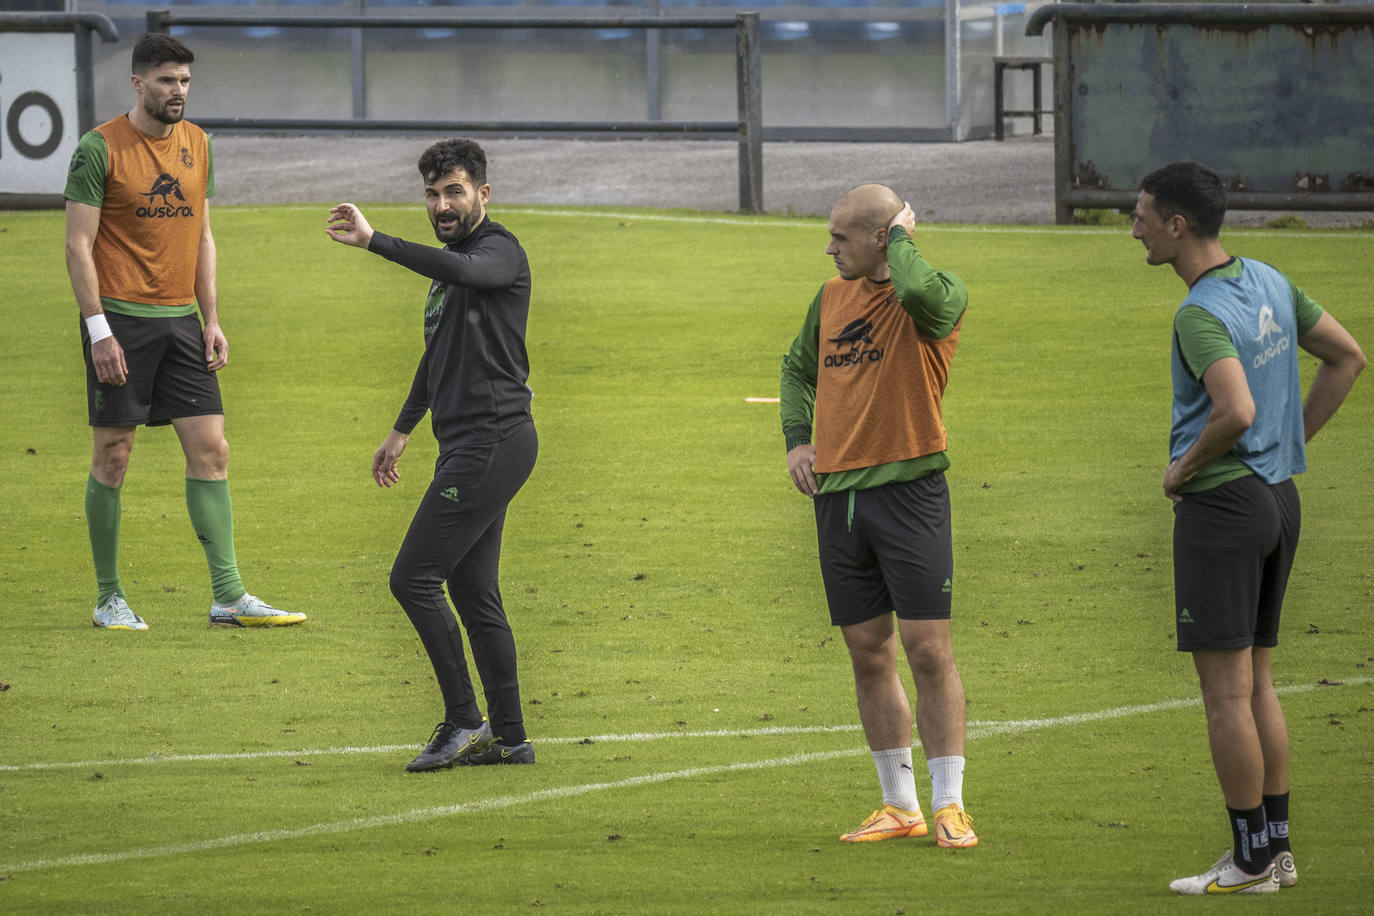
[187, 159]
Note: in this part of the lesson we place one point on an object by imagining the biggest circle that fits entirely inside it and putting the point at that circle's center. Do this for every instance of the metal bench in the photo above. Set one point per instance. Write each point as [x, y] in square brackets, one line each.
[1000, 66]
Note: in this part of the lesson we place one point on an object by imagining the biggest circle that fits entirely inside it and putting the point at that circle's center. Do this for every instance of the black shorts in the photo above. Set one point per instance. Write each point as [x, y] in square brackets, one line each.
[887, 549]
[1233, 551]
[167, 375]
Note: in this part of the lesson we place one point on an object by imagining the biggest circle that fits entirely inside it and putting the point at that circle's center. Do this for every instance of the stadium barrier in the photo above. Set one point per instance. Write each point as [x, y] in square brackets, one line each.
[748, 128]
[37, 102]
[1274, 97]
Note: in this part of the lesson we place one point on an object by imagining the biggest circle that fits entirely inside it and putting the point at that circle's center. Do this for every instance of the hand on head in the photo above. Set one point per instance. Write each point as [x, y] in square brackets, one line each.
[906, 218]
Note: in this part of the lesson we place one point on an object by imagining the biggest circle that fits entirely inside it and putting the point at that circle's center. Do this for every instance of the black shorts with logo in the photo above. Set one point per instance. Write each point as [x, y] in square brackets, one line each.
[1233, 551]
[887, 549]
[167, 375]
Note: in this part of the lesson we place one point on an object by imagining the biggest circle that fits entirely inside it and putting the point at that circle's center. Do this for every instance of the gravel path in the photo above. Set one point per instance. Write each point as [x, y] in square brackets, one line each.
[982, 181]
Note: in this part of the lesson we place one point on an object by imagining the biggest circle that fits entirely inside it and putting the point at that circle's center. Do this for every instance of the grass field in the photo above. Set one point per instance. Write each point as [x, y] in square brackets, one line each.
[691, 706]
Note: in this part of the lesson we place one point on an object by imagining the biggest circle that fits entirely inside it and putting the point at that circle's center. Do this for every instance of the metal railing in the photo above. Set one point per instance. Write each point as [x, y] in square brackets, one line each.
[82, 24]
[748, 127]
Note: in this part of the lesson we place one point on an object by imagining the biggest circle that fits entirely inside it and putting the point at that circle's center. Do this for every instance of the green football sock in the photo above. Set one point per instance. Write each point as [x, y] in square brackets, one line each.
[102, 521]
[212, 517]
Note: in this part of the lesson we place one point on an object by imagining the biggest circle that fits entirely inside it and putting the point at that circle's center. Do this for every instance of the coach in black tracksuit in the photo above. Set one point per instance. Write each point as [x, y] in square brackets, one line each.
[471, 380]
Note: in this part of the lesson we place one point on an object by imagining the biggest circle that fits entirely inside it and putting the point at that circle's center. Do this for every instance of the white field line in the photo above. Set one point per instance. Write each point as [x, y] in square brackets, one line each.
[415, 816]
[810, 223]
[396, 748]
[418, 815]
[976, 729]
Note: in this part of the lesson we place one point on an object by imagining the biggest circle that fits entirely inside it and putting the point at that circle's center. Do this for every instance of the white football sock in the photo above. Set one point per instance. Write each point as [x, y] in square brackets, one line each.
[946, 781]
[897, 778]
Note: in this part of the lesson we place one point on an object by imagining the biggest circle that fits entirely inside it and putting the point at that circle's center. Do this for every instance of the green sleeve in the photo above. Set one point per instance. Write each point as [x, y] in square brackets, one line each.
[797, 392]
[209, 168]
[933, 298]
[1305, 309]
[1202, 339]
[86, 174]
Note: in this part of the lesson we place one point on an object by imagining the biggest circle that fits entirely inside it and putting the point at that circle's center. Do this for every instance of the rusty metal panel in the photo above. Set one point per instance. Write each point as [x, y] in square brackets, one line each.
[1276, 108]
[1279, 100]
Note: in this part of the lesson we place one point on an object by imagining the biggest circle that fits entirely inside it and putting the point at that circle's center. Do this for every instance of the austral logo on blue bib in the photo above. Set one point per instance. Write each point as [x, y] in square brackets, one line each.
[1269, 338]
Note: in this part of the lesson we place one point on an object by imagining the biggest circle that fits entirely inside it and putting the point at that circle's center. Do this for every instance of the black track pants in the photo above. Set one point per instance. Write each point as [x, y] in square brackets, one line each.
[455, 536]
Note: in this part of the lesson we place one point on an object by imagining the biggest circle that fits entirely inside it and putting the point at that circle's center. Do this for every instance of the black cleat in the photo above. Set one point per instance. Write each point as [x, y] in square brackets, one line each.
[450, 745]
[501, 753]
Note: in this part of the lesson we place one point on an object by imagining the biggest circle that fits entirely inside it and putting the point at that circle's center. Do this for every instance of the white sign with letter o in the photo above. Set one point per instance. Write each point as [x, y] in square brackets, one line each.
[38, 117]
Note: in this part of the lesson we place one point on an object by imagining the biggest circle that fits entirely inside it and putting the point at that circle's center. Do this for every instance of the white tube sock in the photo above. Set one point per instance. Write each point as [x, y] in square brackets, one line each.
[897, 778]
[946, 781]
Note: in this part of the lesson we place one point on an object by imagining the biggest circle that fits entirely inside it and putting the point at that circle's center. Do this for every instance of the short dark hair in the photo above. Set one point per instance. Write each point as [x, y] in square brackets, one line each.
[447, 155]
[153, 49]
[1193, 191]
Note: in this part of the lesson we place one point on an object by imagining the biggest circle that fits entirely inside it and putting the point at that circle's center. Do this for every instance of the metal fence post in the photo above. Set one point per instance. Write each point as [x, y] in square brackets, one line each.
[952, 64]
[85, 80]
[1063, 123]
[355, 47]
[747, 70]
[653, 86]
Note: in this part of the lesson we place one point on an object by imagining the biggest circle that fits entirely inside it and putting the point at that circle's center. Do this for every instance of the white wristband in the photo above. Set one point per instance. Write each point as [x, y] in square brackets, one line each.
[98, 328]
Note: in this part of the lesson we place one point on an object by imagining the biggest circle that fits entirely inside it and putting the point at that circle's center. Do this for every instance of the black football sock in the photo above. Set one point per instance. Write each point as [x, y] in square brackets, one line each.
[1250, 839]
[1276, 813]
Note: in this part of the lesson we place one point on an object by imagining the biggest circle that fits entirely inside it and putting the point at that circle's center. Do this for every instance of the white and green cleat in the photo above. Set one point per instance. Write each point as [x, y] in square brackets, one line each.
[1286, 870]
[1225, 877]
[114, 614]
[249, 611]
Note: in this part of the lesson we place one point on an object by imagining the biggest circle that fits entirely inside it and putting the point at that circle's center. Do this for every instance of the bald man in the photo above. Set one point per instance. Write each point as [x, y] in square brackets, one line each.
[861, 393]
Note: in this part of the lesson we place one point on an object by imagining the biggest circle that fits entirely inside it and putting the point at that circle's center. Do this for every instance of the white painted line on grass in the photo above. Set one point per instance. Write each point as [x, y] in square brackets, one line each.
[976, 728]
[763, 400]
[206, 758]
[411, 748]
[419, 815]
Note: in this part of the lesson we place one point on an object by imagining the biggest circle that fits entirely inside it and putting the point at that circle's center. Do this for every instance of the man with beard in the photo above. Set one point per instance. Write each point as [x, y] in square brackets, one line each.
[471, 380]
[140, 257]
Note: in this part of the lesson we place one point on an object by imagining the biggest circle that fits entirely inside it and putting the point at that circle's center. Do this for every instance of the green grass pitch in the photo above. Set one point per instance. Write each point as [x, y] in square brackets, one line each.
[660, 574]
